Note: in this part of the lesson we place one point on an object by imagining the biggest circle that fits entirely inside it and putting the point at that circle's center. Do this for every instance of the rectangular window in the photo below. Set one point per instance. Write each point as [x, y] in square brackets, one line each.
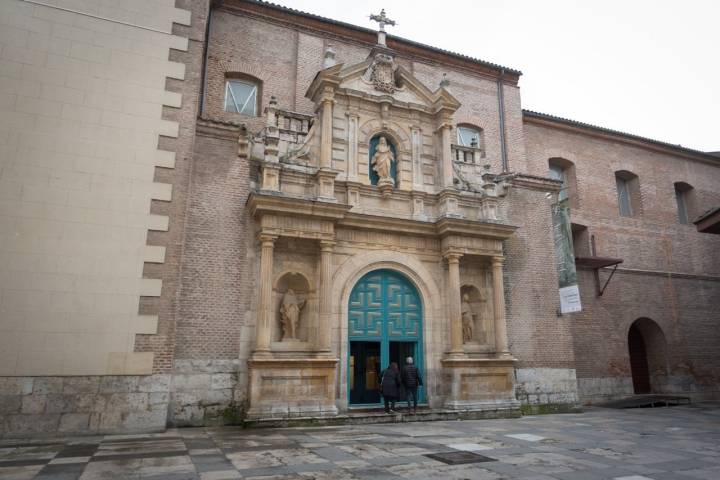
[680, 197]
[468, 137]
[623, 192]
[241, 97]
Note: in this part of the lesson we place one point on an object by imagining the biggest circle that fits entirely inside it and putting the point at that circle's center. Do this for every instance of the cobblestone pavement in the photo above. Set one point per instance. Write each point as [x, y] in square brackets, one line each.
[663, 443]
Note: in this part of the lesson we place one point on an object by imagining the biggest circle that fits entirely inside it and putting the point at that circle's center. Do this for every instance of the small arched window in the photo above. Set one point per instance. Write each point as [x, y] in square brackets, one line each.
[563, 170]
[628, 193]
[242, 95]
[685, 199]
[469, 136]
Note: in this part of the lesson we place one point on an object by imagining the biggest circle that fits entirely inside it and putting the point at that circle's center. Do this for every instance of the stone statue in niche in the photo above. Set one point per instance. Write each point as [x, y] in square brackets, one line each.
[382, 162]
[468, 319]
[290, 309]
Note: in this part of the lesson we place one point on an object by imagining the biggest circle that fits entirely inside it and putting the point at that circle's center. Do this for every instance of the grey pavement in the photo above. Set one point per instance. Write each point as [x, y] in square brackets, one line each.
[635, 444]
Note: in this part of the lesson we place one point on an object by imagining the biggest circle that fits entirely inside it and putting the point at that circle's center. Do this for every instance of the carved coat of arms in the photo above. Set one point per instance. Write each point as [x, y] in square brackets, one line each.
[383, 76]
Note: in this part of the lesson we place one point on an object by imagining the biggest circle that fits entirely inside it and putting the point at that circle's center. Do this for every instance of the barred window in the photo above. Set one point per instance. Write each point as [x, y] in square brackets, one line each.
[468, 137]
[241, 97]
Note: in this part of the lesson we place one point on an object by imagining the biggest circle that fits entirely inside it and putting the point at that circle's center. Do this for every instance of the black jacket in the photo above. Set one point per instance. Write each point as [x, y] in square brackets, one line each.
[411, 376]
[390, 383]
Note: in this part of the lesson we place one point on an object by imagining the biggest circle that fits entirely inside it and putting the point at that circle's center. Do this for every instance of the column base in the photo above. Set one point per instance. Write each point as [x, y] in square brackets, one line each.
[481, 383]
[292, 387]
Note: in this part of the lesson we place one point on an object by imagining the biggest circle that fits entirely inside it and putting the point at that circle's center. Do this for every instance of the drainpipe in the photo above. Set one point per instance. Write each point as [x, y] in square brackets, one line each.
[205, 58]
[501, 109]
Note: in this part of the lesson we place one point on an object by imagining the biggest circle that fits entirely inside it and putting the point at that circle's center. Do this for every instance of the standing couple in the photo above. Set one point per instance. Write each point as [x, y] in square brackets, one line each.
[392, 379]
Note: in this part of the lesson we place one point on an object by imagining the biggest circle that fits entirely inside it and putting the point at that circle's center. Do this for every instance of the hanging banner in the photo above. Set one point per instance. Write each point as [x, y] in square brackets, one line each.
[564, 253]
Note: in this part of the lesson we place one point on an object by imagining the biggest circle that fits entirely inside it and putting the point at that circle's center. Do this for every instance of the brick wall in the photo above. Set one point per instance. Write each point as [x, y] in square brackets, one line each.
[670, 272]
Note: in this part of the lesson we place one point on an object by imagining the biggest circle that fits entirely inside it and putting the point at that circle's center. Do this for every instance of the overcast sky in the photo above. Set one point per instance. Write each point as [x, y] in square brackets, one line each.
[650, 68]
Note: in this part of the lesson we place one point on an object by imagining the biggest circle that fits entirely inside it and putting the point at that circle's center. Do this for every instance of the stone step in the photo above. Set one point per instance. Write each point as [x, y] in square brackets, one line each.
[371, 416]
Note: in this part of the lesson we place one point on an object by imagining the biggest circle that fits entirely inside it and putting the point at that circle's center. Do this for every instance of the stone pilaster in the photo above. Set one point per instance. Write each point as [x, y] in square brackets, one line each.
[453, 302]
[501, 341]
[323, 336]
[327, 131]
[353, 120]
[447, 163]
[265, 307]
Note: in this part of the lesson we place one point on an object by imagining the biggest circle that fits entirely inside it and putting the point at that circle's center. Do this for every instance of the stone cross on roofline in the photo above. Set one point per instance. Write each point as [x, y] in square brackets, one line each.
[383, 20]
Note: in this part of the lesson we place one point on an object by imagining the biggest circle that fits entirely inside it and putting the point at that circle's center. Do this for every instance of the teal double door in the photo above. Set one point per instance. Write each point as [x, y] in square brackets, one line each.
[385, 325]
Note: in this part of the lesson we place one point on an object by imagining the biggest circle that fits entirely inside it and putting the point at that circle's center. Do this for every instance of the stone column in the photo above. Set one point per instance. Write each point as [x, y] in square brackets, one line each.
[265, 307]
[326, 133]
[324, 327]
[501, 342]
[453, 299]
[447, 163]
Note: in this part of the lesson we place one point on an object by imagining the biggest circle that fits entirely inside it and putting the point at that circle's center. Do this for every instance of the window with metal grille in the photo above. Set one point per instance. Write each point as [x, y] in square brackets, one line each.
[684, 196]
[468, 137]
[623, 193]
[241, 97]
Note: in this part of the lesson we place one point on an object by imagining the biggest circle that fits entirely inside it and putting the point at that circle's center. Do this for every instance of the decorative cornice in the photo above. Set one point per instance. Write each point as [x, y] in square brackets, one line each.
[262, 203]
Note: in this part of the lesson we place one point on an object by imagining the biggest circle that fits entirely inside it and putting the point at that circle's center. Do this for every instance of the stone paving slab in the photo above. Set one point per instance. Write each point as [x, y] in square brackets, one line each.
[678, 443]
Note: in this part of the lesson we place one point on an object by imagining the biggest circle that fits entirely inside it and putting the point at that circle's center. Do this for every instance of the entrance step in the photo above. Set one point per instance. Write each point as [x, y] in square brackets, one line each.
[647, 401]
[372, 416]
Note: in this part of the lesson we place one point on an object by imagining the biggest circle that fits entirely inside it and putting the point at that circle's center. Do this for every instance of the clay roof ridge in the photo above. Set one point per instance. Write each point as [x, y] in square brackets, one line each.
[393, 37]
[568, 121]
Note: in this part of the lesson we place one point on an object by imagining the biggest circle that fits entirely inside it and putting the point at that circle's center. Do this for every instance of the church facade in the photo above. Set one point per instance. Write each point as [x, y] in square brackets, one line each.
[339, 199]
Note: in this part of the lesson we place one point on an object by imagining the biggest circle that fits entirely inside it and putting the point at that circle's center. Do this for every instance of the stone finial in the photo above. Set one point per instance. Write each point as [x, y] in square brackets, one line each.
[445, 82]
[329, 58]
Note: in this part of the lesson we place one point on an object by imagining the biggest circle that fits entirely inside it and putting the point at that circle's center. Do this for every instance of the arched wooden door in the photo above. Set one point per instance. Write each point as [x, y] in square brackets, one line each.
[638, 361]
[385, 325]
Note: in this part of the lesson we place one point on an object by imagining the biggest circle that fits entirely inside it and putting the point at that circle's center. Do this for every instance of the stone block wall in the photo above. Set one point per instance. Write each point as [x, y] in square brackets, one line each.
[81, 405]
[206, 392]
[554, 387]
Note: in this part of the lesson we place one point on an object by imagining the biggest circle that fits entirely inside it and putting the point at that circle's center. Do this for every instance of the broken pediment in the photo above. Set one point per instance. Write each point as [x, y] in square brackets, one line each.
[380, 78]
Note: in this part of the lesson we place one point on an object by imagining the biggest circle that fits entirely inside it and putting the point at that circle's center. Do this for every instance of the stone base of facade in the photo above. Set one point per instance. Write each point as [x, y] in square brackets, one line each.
[207, 392]
[292, 387]
[480, 384]
[598, 390]
[30, 406]
[543, 390]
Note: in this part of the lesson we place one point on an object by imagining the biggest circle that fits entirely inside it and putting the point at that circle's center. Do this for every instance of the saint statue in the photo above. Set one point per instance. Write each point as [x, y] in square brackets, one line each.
[382, 161]
[290, 308]
[468, 320]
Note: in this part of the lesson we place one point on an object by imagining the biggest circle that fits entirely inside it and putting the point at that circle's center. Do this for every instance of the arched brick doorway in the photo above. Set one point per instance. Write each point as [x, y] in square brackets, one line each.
[647, 349]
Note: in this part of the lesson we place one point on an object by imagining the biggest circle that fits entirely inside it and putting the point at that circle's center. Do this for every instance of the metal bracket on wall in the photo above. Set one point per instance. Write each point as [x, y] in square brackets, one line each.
[596, 263]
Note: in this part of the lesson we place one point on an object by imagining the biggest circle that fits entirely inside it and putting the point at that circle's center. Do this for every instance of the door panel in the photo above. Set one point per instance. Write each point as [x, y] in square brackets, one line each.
[364, 372]
[384, 310]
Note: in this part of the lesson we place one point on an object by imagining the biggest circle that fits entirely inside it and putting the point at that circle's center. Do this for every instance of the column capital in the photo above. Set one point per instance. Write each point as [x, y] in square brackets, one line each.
[497, 261]
[327, 245]
[452, 256]
[267, 238]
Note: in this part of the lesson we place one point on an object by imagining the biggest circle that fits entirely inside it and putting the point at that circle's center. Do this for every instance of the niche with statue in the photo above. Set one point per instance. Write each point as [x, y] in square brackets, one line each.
[294, 302]
[477, 315]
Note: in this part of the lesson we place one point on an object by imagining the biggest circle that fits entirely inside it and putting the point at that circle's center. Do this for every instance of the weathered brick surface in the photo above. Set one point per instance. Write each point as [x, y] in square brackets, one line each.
[655, 248]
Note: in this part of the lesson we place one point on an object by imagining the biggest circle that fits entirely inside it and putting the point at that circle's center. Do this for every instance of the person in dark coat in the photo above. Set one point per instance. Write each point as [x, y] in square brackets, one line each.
[390, 386]
[411, 380]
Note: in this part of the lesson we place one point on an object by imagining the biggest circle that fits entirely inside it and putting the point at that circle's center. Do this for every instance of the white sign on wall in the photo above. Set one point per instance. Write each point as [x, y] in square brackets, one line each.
[570, 299]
